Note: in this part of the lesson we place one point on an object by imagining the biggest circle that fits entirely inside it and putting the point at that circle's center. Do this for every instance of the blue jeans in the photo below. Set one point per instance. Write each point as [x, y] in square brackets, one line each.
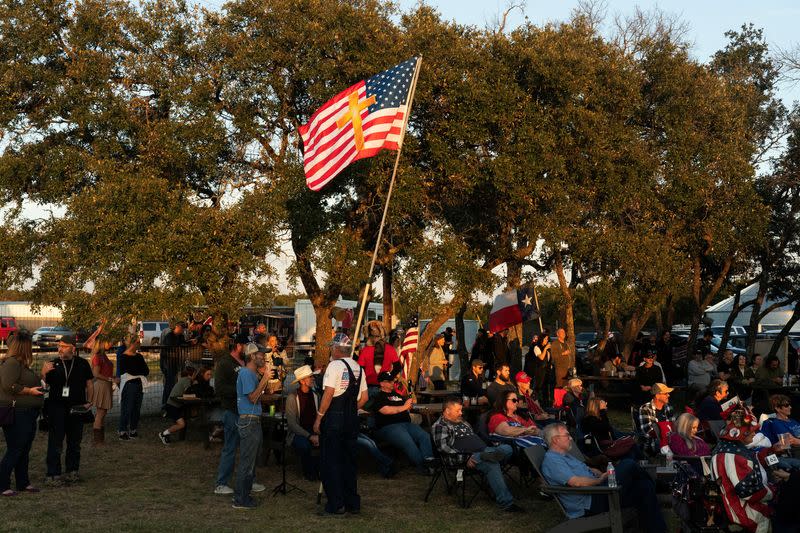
[309, 462]
[170, 376]
[494, 476]
[250, 437]
[383, 460]
[228, 456]
[788, 463]
[19, 439]
[130, 407]
[411, 439]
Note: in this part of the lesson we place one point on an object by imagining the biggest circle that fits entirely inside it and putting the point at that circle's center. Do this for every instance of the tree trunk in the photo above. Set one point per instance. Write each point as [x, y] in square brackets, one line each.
[632, 328]
[387, 273]
[659, 323]
[735, 310]
[426, 337]
[593, 309]
[701, 302]
[755, 313]
[670, 319]
[463, 355]
[323, 333]
[568, 297]
[785, 331]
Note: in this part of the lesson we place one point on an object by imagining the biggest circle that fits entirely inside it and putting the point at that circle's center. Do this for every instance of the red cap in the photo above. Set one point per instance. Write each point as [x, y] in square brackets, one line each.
[522, 377]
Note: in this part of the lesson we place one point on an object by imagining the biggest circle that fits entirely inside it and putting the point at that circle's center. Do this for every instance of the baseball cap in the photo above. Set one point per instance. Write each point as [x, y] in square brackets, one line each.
[67, 339]
[252, 348]
[385, 376]
[660, 388]
[477, 362]
[522, 377]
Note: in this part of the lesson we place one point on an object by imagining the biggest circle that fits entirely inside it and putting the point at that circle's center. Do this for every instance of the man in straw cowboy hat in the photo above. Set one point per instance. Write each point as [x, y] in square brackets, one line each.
[301, 412]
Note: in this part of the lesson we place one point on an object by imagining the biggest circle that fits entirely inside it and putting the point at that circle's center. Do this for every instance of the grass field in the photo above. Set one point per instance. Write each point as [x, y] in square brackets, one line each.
[144, 486]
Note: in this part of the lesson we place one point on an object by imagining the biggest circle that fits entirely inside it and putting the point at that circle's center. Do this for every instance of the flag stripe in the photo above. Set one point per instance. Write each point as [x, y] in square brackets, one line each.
[335, 138]
[377, 137]
[328, 128]
[334, 106]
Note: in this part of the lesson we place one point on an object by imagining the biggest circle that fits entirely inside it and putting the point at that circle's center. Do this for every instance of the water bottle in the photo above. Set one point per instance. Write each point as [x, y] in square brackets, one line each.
[612, 475]
[669, 457]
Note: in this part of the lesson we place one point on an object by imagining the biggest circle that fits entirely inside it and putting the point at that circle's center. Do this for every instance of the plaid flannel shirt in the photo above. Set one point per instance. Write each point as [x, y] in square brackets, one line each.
[649, 418]
[444, 437]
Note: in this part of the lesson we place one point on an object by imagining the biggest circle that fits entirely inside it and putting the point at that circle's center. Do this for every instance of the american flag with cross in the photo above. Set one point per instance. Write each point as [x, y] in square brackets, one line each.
[357, 123]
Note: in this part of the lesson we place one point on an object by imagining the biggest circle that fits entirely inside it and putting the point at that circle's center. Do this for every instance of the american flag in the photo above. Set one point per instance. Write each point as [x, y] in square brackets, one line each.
[744, 493]
[357, 123]
[409, 346]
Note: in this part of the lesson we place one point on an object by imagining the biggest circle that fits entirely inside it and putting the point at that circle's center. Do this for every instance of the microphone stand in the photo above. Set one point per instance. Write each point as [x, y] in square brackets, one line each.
[284, 487]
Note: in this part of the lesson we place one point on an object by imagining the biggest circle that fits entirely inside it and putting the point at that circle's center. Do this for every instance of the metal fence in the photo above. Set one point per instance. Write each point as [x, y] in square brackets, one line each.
[174, 359]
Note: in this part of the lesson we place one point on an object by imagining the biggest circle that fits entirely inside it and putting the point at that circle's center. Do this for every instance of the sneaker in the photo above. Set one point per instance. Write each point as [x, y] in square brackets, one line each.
[223, 489]
[53, 481]
[258, 487]
[164, 438]
[134, 434]
[252, 504]
[514, 508]
[493, 455]
[72, 477]
[124, 436]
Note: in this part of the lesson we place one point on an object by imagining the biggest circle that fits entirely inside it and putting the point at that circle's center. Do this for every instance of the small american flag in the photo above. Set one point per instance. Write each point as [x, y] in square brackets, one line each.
[409, 346]
[357, 123]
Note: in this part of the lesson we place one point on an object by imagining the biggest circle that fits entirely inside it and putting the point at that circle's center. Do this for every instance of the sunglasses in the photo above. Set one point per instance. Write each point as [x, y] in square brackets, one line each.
[785, 405]
[515, 400]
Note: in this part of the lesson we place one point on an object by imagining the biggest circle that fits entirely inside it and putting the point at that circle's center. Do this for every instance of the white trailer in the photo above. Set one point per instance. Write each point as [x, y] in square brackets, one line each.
[46, 315]
[305, 321]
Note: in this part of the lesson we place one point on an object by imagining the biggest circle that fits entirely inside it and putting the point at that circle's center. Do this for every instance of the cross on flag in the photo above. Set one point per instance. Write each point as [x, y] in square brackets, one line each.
[357, 123]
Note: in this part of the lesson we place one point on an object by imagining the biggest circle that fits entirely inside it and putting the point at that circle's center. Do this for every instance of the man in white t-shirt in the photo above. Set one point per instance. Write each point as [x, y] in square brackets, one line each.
[345, 391]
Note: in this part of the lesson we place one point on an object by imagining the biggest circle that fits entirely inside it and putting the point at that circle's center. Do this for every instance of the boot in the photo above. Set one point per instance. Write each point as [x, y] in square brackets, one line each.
[99, 437]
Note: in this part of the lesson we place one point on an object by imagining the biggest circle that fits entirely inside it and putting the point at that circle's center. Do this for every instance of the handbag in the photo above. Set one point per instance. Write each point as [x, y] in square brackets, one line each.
[7, 414]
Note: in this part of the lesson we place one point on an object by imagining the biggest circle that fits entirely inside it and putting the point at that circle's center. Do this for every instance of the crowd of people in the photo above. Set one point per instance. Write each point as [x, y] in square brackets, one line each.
[365, 403]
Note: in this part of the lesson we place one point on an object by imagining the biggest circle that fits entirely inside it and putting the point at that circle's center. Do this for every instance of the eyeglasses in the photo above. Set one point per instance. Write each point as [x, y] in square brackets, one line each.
[785, 405]
[515, 400]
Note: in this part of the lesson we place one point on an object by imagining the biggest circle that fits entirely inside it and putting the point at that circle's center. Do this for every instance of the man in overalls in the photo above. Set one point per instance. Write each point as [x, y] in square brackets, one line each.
[345, 391]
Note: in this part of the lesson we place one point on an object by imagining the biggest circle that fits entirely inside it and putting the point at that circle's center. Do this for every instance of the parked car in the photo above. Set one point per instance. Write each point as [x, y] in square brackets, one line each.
[150, 331]
[8, 327]
[583, 340]
[48, 337]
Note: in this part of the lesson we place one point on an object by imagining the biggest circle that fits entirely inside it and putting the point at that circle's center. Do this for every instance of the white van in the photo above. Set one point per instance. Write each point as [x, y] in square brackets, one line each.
[150, 332]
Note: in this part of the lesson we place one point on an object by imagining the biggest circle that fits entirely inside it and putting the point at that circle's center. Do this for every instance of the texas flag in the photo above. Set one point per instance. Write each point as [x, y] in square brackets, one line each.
[512, 308]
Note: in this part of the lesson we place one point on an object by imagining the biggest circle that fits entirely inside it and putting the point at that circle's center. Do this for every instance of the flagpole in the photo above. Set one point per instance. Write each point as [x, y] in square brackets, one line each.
[385, 207]
[538, 309]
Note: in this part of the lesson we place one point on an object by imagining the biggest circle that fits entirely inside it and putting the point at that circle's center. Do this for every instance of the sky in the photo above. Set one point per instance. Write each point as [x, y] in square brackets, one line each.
[707, 20]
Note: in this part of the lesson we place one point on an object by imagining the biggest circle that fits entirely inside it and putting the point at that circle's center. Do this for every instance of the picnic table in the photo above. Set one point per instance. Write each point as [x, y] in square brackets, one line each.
[430, 395]
[202, 405]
